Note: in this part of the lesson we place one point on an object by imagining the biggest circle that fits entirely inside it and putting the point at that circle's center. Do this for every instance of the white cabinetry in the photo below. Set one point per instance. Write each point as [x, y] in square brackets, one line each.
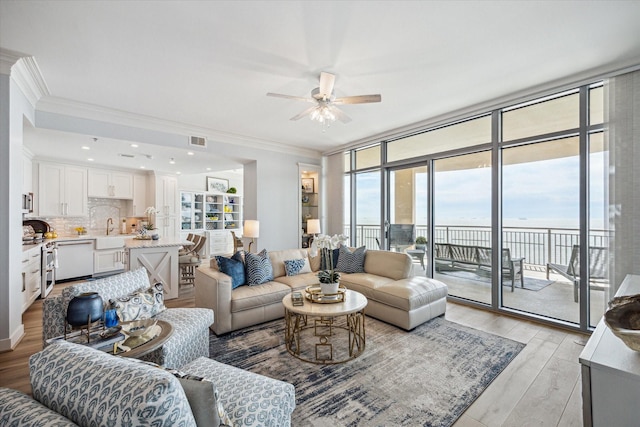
[108, 260]
[611, 374]
[27, 174]
[104, 183]
[139, 195]
[166, 203]
[191, 211]
[62, 190]
[31, 276]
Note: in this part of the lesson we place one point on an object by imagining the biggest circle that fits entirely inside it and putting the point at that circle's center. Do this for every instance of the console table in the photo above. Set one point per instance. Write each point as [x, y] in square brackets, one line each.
[611, 374]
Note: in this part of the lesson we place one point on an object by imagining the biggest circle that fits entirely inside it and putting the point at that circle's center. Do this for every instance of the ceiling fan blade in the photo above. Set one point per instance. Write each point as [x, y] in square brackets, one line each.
[340, 115]
[297, 98]
[360, 99]
[326, 84]
[304, 113]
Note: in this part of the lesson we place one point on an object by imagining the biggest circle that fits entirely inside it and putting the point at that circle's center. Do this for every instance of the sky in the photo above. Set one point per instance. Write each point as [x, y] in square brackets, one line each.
[535, 194]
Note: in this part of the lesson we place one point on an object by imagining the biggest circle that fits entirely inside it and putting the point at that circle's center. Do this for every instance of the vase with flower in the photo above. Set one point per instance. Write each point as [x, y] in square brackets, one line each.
[328, 277]
[146, 229]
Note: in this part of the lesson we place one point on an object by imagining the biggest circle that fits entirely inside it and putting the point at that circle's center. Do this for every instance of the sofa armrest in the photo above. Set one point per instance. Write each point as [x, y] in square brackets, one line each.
[213, 290]
[18, 409]
[53, 318]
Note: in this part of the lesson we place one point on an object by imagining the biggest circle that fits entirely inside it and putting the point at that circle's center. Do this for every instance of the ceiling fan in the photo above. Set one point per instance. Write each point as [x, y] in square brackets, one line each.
[324, 109]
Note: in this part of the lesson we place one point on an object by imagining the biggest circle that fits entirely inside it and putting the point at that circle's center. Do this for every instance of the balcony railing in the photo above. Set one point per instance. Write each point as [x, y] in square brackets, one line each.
[537, 245]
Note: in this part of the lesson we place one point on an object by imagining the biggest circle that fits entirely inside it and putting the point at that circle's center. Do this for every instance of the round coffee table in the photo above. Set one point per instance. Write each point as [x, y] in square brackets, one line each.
[321, 320]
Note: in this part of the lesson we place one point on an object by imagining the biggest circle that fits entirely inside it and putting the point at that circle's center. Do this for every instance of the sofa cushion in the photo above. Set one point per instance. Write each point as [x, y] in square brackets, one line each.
[248, 297]
[258, 268]
[351, 261]
[395, 265]
[364, 283]
[279, 257]
[18, 409]
[411, 293]
[234, 268]
[328, 255]
[300, 281]
[140, 305]
[91, 387]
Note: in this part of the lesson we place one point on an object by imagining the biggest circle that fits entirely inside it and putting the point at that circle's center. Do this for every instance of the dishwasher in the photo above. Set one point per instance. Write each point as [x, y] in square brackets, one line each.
[75, 259]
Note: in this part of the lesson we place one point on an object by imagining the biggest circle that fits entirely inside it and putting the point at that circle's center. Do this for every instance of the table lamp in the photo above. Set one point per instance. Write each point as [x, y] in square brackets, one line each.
[251, 230]
[313, 228]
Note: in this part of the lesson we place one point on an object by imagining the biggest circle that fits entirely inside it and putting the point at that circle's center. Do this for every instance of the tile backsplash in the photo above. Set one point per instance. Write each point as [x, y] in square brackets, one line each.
[100, 210]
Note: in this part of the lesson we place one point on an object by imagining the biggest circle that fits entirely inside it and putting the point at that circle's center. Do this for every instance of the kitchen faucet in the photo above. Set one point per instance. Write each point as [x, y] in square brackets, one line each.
[109, 230]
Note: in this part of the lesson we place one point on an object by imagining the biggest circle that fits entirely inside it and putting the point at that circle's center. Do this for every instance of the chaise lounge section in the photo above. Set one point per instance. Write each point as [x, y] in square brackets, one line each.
[395, 296]
[190, 338]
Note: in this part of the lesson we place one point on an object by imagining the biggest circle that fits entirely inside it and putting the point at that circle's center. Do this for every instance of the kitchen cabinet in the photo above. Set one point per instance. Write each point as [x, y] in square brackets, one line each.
[139, 204]
[166, 203]
[109, 184]
[31, 276]
[108, 261]
[62, 190]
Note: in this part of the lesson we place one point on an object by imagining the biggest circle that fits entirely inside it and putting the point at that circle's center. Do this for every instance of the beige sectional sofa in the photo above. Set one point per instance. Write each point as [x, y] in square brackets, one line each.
[395, 295]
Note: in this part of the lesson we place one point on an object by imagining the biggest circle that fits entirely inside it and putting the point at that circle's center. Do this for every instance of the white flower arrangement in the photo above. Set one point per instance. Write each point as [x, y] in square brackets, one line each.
[327, 244]
[149, 212]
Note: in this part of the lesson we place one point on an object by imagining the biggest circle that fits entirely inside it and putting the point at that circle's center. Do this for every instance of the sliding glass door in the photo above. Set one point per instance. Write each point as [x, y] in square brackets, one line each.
[462, 215]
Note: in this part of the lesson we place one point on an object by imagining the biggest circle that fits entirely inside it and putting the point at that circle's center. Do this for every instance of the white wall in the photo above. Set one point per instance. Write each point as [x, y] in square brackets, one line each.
[198, 182]
[14, 108]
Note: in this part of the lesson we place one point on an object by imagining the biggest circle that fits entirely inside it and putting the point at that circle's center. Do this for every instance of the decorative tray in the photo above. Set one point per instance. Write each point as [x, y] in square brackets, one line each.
[314, 294]
[142, 238]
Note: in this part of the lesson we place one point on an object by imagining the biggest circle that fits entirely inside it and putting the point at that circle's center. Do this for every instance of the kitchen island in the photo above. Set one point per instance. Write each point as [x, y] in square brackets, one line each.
[160, 259]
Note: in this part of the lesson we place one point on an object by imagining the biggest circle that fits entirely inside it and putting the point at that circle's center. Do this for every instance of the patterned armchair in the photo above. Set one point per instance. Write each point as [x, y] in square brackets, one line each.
[190, 338]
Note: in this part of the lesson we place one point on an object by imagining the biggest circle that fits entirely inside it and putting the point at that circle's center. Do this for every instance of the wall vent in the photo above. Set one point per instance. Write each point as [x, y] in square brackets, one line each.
[131, 156]
[198, 141]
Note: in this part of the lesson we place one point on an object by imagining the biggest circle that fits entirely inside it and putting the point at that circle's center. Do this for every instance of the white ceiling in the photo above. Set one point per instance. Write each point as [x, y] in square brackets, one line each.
[209, 64]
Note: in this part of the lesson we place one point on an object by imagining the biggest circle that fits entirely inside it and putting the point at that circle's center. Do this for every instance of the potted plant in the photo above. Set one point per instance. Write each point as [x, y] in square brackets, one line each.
[329, 278]
[421, 243]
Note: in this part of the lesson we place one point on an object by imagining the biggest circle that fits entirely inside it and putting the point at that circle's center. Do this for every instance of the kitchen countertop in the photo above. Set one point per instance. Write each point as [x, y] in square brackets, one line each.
[162, 242]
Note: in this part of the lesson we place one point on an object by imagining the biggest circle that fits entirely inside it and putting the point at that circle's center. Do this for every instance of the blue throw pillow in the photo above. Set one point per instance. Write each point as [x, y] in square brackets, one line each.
[258, 268]
[293, 266]
[351, 262]
[234, 268]
[324, 260]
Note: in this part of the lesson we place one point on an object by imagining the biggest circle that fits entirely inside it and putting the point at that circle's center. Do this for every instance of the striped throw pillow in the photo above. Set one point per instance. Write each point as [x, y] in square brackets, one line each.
[258, 268]
[351, 262]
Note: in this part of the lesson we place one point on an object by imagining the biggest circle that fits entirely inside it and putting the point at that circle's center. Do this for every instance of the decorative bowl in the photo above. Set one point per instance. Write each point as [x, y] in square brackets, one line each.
[137, 328]
[623, 318]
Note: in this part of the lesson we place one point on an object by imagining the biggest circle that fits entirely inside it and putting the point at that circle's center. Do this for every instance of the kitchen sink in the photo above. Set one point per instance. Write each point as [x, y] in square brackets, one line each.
[109, 242]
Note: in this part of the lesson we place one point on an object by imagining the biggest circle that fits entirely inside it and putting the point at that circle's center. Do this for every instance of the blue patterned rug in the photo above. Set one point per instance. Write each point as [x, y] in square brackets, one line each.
[426, 377]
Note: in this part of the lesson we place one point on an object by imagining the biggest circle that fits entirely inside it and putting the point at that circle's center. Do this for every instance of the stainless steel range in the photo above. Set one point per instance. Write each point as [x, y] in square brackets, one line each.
[48, 256]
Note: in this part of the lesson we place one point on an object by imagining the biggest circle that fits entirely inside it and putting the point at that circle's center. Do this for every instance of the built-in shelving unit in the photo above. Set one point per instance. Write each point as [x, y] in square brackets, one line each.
[309, 199]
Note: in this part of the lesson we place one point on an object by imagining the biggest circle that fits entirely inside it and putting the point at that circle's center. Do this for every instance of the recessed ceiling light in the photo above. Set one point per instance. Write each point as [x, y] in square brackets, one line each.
[141, 167]
[190, 153]
[208, 169]
[134, 145]
[172, 162]
[84, 147]
[90, 159]
[178, 173]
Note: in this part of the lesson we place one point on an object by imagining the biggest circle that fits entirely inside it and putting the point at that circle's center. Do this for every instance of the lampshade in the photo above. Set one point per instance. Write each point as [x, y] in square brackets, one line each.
[251, 228]
[313, 226]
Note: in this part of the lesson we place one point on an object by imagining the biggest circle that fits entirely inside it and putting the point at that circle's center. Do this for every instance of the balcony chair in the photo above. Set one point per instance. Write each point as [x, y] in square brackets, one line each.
[598, 269]
[188, 261]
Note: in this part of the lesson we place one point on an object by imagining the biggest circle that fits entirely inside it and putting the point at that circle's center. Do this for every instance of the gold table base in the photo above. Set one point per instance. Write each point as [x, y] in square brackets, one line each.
[324, 327]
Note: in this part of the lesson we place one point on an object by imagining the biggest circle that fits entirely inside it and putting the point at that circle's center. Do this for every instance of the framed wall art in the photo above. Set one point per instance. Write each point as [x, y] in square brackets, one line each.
[217, 184]
[308, 185]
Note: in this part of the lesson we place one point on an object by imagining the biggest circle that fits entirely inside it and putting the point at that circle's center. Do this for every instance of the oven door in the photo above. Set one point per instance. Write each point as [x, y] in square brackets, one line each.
[48, 269]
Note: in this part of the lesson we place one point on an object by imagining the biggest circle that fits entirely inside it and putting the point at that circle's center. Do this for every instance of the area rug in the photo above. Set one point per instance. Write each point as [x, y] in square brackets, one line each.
[426, 377]
[530, 283]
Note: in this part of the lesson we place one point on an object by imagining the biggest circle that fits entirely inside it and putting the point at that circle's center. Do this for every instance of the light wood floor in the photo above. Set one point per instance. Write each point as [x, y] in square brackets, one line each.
[540, 387]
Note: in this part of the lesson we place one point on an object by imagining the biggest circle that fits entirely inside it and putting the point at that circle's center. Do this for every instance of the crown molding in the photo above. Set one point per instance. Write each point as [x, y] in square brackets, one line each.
[24, 70]
[7, 59]
[52, 104]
